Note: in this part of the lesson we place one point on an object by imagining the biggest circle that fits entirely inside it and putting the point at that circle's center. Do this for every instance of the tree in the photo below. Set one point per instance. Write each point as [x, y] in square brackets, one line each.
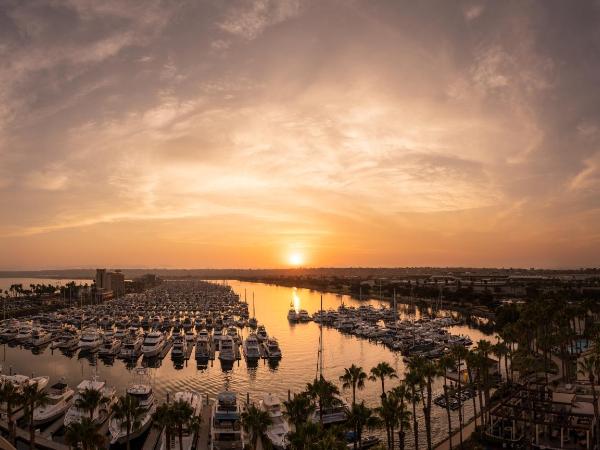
[388, 411]
[298, 409]
[89, 400]
[359, 417]
[163, 418]
[382, 371]
[128, 412]
[426, 370]
[446, 363]
[414, 383]
[86, 432]
[32, 398]
[354, 377]
[325, 393]
[590, 366]
[10, 396]
[459, 353]
[182, 414]
[256, 421]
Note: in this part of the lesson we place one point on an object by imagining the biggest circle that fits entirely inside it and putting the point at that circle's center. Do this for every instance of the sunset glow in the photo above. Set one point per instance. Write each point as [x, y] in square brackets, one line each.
[213, 134]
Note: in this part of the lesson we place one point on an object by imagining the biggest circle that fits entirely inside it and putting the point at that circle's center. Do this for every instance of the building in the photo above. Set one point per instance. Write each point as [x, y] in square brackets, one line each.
[110, 282]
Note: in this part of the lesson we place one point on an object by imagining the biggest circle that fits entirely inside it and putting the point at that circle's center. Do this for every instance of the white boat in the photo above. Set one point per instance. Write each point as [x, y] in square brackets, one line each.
[90, 339]
[279, 428]
[195, 401]
[39, 337]
[271, 347]
[226, 349]
[9, 333]
[60, 398]
[180, 347]
[20, 381]
[251, 347]
[153, 344]
[141, 390]
[75, 414]
[24, 334]
[335, 414]
[110, 347]
[131, 347]
[203, 348]
[225, 424]
[190, 337]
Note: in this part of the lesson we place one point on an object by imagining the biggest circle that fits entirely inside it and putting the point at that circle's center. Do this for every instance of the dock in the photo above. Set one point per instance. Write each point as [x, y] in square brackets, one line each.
[152, 441]
[203, 441]
[40, 440]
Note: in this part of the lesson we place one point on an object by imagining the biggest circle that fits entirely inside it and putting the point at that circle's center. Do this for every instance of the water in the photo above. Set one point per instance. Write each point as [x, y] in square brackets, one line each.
[299, 344]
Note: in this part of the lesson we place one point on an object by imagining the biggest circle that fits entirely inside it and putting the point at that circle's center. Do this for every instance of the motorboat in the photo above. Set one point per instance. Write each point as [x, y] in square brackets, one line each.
[40, 337]
[60, 398]
[194, 400]
[131, 347]
[153, 344]
[279, 428]
[251, 347]
[261, 333]
[110, 347]
[226, 349]
[90, 339]
[180, 348]
[203, 346]
[75, 413]
[271, 348]
[226, 431]
[141, 390]
[24, 334]
[292, 315]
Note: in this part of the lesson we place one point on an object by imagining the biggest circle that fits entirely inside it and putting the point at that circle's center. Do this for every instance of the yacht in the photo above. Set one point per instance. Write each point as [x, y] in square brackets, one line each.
[24, 335]
[141, 390]
[60, 398]
[40, 337]
[110, 347]
[271, 347]
[180, 348]
[90, 339]
[251, 347]
[203, 347]
[153, 344]
[261, 333]
[279, 428]
[131, 347]
[225, 424]
[9, 333]
[20, 381]
[226, 349]
[190, 337]
[194, 400]
[334, 414]
[303, 316]
[75, 414]
[292, 315]
[67, 341]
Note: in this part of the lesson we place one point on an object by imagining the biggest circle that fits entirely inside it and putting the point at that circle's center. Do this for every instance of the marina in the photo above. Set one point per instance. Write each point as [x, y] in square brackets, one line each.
[189, 338]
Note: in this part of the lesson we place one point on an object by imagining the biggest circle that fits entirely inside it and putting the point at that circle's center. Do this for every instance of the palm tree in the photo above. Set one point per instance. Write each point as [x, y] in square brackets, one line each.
[427, 371]
[32, 398]
[446, 363]
[382, 371]
[354, 377]
[298, 409]
[473, 360]
[459, 353]
[304, 435]
[256, 421]
[485, 347]
[90, 400]
[325, 393]
[10, 396]
[414, 382]
[388, 411]
[163, 418]
[86, 432]
[590, 366]
[359, 417]
[403, 414]
[128, 411]
[182, 414]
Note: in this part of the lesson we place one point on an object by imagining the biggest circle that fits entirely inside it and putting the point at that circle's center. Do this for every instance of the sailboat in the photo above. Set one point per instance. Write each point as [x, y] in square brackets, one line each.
[252, 322]
[334, 414]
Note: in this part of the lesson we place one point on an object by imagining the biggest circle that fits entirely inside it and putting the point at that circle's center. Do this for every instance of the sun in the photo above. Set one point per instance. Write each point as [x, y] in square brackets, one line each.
[295, 259]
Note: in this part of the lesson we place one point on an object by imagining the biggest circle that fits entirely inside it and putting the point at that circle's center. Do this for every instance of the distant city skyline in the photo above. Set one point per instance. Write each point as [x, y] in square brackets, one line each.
[292, 133]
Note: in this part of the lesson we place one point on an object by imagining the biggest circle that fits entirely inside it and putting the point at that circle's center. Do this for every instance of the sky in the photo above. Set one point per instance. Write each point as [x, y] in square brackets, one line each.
[268, 133]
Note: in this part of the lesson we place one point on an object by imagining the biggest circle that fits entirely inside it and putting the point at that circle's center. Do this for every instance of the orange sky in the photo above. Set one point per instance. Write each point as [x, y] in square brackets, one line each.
[239, 133]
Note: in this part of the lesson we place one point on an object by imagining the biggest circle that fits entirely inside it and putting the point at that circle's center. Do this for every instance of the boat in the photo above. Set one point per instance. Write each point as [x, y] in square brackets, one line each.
[303, 316]
[75, 413]
[153, 344]
[279, 428]
[9, 333]
[271, 348]
[141, 390]
[251, 347]
[180, 348]
[90, 339]
[24, 335]
[203, 348]
[39, 337]
[292, 315]
[111, 347]
[226, 349]
[190, 337]
[131, 347]
[60, 398]
[225, 424]
[194, 400]
[261, 333]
